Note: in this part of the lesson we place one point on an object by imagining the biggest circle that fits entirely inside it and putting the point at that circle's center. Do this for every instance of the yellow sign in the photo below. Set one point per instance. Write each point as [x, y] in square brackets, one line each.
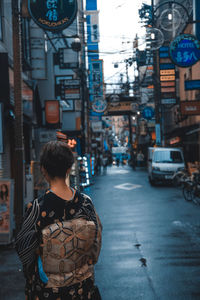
[167, 72]
[167, 78]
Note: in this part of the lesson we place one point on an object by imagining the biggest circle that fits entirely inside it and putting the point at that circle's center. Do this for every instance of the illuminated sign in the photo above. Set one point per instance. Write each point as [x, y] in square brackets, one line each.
[167, 78]
[53, 15]
[175, 140]
[52, 113]
[167, 72]
[71, 143]
[185, 50]
[148, 113]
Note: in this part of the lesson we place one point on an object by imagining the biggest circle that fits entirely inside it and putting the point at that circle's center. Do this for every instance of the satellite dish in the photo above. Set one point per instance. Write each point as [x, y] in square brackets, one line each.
[154, 38]
[170, 19]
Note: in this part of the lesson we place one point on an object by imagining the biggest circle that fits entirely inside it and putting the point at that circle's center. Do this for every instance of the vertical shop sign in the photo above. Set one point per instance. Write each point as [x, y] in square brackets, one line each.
[158, 134]
[38, 55]
[52, 113]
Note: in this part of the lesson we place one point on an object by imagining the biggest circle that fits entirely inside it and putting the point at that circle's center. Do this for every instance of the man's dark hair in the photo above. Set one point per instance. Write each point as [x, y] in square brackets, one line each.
[56, 158]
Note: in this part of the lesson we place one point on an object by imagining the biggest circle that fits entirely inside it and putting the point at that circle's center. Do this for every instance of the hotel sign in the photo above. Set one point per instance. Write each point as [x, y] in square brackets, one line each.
[185, 50]
[53, 15]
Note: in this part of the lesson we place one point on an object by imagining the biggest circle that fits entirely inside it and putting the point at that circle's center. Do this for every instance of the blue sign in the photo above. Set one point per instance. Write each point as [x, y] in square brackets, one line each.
[192, 85]
[164, 49]
[164, 54]
[185, 50]
[158, 134]
[53, 15]
[167, 66]
[148, 113]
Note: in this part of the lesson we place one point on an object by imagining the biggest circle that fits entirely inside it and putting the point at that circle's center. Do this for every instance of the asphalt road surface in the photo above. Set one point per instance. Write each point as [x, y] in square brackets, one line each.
[151, 242]
[151, 239]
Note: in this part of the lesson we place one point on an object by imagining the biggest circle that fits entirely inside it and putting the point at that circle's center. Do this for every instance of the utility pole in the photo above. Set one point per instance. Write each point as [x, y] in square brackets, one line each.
[18, 139]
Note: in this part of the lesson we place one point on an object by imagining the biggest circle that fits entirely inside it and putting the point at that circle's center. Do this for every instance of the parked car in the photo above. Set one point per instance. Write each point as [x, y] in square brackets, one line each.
[163, 163]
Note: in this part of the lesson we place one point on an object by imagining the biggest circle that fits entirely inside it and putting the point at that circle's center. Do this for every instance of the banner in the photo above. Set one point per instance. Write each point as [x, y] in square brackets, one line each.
[6, 210]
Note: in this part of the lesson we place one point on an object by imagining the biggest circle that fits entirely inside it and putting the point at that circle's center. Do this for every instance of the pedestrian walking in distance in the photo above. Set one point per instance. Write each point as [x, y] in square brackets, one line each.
[140, 159]
[60, 238]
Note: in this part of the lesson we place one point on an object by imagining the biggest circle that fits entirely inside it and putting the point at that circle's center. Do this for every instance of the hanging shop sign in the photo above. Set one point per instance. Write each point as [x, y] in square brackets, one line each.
[67, 59]
[122, 107]
[53, 15]
[166, 66]
[167, 83]
[192, 84]
[167, 78]
[114, 99]
[168, 101]
[27, 96]
[167, 72]
[168, 90]
[190, 108]
[52, 113]
[99, 104]
[158, 134]
[185, 50]
[175, 140]
[148, 113]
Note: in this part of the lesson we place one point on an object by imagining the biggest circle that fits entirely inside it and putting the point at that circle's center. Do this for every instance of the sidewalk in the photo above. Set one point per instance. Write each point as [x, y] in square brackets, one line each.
[11, 275]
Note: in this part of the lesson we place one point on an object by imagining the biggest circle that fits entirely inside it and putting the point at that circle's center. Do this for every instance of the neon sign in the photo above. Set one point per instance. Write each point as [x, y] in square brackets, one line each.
[185, 50]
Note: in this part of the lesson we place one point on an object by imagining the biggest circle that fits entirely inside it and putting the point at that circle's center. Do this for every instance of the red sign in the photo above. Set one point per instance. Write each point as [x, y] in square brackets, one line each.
[167, 83]
[52, 113]
[168, 90]
[175, 140]
[190, 107]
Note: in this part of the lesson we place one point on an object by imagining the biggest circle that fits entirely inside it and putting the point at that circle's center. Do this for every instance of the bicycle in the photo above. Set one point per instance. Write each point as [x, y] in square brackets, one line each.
[180, 177]
[191, 188]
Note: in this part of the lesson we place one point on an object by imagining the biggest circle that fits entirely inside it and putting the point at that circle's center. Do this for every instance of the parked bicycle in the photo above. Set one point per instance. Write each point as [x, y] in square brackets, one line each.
[191, 188]
[180, 177]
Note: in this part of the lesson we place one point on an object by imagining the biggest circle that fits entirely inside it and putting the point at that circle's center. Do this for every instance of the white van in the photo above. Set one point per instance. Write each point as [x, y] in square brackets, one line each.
[163, 163]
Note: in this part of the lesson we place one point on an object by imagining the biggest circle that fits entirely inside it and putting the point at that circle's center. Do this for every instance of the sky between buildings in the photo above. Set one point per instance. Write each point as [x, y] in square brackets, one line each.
[119, 23]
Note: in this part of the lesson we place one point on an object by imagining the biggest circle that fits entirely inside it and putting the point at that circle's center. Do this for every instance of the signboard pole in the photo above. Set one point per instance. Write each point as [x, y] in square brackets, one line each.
[18, 175]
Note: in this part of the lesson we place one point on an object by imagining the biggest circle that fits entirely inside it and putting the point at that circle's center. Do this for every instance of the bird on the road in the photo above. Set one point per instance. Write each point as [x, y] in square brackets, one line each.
[143, 261]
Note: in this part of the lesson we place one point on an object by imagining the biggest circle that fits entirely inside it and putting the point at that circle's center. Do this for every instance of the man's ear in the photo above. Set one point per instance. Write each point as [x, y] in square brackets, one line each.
[68, 171]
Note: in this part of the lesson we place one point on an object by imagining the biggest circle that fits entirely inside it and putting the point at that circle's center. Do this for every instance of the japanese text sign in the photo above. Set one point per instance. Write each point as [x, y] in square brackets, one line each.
[185, 50]
[53, 15]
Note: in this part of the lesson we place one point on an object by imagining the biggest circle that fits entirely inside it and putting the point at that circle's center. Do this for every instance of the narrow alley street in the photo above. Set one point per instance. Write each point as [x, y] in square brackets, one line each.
[151, 223]
[151, 241]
